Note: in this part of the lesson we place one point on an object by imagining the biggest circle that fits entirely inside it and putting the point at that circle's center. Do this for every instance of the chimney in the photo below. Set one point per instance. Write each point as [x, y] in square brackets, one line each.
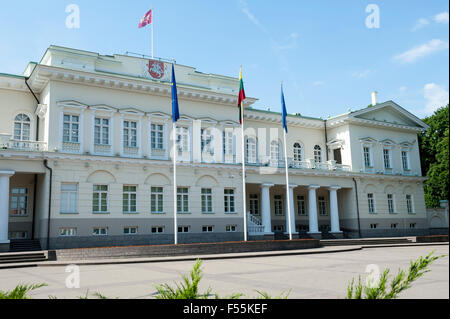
[374, 98]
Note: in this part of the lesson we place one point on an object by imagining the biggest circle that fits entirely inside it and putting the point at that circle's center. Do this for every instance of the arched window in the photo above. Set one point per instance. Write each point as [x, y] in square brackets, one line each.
[317, 154]
[298, 153]
[251, 150]
[22, 125]
[275, 151]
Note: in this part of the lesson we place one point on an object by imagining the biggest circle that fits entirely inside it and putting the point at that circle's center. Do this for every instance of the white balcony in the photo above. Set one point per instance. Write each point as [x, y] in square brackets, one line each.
[6, 143]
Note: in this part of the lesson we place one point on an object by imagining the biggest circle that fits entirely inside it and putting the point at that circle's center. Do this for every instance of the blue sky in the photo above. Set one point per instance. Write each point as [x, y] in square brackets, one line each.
[323, 51]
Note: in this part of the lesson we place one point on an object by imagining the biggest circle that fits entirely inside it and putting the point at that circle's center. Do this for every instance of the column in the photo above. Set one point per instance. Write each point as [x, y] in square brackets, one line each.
[4, 206]
[312, 210]
[334, 211]
[292, 209]
[265, 208]
[196, 141]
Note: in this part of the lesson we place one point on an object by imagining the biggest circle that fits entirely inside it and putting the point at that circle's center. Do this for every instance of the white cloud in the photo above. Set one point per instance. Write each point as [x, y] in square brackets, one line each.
[402, 88]
[318, 83]
[441, 18]
[436, 96]
[420, 24]
[421, 51]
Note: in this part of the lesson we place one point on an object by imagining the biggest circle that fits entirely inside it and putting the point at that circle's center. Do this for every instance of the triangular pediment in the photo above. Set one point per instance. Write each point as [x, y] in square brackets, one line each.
[389, 112]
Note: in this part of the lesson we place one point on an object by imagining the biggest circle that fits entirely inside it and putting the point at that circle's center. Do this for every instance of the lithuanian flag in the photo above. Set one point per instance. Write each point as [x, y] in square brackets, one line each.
[241, 97]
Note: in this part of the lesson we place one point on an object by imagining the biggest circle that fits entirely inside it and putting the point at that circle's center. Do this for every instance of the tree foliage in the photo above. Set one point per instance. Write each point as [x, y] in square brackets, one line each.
[434, 152]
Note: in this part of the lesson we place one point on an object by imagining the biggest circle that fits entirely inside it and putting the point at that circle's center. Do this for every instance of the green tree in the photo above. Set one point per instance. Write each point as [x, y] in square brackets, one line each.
[434, 152]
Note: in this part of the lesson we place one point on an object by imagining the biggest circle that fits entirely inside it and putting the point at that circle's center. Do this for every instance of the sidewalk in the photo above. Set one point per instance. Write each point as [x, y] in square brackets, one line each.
[323, 250]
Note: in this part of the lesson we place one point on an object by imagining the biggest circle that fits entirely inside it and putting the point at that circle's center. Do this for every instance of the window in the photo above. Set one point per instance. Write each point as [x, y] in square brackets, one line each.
[371, 202]
[412, 225]
[230, 228]
[158, 229]
[100, 199]
[409, 204]
[184, 229]
[274, 151]
[130, 134]
[206, 142]
[405, 160]
[254, 204]
[394, 226]
[156, 198]
[229, 201]
[129, 199]
[390, 199]
[278, 204]
[317, 154]
[130, 230]
[387, 158]
[157, 136]
[251, 151]
[278, 228]
[68, 232]
[182, 200]
[228, 143]
[207, 200]
[302, 228]
[322, 206]
[101, 131]
[100, 231]
[207, 229]
[69, 198]
[298, 153]
[182, 140]
[71, 127]
[301, 205]
[17, 235]
[367, 157]
[22, 126]
[19, 201]
[373, 226]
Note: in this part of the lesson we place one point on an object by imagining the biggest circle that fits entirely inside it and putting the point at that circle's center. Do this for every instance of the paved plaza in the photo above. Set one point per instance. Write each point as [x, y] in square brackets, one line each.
[307, 276]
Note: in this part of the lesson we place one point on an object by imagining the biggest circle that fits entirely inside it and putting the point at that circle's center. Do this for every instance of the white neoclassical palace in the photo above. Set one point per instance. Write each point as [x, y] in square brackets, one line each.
[85, 160]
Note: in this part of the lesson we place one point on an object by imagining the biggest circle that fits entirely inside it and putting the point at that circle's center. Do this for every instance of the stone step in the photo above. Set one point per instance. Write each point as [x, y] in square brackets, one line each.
[6, 258]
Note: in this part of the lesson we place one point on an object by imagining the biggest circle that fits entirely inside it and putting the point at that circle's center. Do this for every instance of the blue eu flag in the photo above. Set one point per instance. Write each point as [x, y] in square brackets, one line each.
[175, 111]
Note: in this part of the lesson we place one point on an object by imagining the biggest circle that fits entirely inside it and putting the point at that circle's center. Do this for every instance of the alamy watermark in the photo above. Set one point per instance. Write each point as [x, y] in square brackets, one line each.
[73, 279]
[373, 19]
[73, 18]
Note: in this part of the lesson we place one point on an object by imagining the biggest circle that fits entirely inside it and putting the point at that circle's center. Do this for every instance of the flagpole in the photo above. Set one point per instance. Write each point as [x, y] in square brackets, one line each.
[288, 191]
[153, 28]
[243, 174]
[175, 222]
[288, 195]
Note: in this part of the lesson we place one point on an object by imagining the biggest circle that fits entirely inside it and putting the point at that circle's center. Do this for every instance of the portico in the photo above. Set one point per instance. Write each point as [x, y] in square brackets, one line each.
[314, 209]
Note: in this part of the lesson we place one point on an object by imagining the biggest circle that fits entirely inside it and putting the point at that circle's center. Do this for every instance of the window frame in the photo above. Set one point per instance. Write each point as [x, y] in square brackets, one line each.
[100, 192]
[207, 201]
[229, 201]
[71, 198]
[18, 197]
[127, 196]
[22, 123]
[183, 199]
[157, 199]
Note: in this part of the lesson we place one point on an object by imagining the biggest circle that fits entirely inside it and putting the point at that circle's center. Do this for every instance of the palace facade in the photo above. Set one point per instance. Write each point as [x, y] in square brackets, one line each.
[86, 160]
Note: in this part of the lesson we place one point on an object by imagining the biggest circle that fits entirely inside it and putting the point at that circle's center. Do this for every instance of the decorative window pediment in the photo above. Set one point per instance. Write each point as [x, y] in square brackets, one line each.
[72, 104]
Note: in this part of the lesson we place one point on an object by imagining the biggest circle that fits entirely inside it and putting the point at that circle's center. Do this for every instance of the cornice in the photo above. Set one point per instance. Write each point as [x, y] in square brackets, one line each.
[43, 74]
[260, 116]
